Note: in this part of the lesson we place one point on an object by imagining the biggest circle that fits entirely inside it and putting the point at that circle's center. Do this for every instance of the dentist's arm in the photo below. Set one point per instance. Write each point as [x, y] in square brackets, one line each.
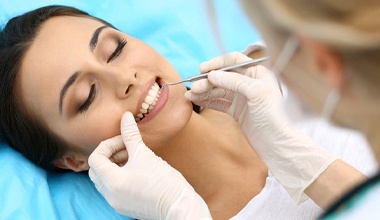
[253, 98]
[146, 187]
[337, 180]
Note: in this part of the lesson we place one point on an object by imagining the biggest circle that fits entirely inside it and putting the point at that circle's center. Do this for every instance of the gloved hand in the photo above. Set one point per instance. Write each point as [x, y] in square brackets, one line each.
[146, 187]
[254, 99]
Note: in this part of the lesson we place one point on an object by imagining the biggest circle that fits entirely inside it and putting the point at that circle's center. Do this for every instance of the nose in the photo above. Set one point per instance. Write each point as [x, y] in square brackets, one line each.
[122, 81]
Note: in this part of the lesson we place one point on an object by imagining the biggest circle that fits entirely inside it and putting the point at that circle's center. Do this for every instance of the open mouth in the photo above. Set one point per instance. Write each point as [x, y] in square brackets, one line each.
[149, 101]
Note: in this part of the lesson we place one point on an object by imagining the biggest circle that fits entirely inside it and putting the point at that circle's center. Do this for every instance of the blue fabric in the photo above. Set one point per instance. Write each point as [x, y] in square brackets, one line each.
[180, 30]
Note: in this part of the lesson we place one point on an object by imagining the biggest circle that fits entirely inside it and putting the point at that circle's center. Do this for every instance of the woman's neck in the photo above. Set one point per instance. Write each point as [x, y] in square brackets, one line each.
[215, 158]
[208, 132]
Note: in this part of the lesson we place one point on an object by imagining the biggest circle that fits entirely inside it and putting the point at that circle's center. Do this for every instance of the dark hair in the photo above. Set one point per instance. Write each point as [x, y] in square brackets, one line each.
[19, 127]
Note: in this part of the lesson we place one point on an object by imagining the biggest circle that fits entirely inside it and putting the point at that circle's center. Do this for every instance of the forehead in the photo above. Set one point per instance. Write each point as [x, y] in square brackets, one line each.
[53, 56]
[62, 33]
[58, 42]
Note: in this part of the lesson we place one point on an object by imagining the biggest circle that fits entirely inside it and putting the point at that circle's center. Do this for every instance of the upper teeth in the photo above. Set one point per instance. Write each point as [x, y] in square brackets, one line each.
[149, 102]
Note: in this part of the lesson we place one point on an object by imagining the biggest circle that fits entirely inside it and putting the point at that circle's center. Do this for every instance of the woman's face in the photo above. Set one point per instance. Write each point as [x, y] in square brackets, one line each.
[79, 76]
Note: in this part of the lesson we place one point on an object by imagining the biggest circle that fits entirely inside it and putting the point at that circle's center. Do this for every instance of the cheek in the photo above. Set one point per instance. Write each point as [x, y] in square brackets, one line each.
[88, 133]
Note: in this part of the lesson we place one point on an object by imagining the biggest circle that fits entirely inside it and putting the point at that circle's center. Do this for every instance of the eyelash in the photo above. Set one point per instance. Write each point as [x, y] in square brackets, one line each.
[92, 94]
[90, 99]
[118, 50]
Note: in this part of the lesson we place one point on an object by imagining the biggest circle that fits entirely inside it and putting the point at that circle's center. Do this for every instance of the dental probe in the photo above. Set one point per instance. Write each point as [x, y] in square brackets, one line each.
[204, 76]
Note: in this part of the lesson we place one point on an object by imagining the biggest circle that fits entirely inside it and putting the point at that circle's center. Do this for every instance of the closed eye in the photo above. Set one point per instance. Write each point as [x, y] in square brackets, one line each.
[91, 96]
[118, 50]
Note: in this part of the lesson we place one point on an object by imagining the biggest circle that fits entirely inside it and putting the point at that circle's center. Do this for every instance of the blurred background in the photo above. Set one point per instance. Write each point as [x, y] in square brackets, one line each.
[185, 32]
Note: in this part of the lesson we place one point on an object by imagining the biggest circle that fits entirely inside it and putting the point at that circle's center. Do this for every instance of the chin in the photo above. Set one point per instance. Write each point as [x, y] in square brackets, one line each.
[168, 124]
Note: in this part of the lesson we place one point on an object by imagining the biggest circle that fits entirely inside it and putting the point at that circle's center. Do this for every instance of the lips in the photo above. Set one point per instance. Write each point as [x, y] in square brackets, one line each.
[149, 102]
[152, 101]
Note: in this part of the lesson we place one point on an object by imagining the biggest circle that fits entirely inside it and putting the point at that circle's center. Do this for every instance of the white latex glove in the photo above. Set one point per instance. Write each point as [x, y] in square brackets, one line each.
[146, 187]
[254, 99]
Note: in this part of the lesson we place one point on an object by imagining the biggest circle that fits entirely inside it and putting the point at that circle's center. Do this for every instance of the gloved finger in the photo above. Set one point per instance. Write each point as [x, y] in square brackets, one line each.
[211, 94]
[208, 101]
[105, 150]
[201, 86]
[99, 160]
[261, 72]
[120, 157]
[221, 105]
[223, 61]
[130, 134]
[242, 84]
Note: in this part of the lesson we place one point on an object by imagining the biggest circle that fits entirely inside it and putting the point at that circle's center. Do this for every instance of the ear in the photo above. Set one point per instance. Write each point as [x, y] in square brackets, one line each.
[328, 62]
[73, 162]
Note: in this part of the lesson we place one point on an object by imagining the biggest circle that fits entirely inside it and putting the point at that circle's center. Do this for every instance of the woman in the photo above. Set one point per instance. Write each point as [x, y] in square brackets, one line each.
[65, 89]
[327, 52]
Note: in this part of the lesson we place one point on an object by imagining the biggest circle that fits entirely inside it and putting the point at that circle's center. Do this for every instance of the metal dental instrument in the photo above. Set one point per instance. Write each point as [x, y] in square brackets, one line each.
[204, 76]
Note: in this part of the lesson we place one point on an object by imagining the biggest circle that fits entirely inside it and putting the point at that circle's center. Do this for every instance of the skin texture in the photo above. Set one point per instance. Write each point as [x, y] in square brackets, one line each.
[208, 148]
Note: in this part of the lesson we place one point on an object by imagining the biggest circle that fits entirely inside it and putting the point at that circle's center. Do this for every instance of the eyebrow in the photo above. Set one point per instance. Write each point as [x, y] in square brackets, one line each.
[95, 37]
[68, 83]
[71, 80]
